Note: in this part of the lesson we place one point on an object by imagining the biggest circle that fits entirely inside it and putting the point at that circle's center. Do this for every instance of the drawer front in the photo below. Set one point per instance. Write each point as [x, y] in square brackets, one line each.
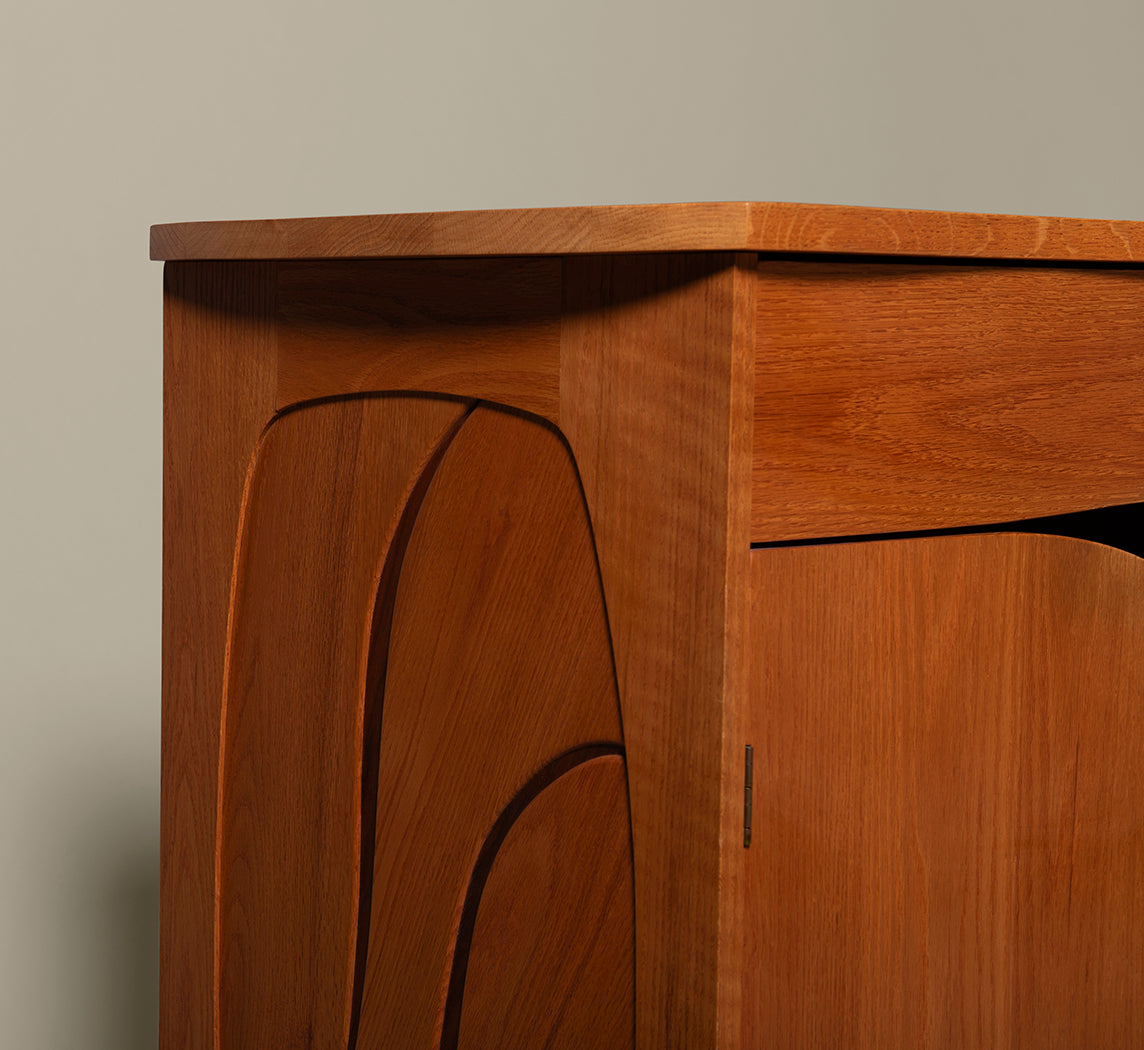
[894, 397]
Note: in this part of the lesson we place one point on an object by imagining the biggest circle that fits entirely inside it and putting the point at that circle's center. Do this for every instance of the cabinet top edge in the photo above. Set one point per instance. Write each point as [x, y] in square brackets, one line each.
[733, 226]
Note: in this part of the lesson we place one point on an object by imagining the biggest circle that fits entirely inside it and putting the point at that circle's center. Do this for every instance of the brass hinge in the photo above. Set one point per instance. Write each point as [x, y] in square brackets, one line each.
[748, 779]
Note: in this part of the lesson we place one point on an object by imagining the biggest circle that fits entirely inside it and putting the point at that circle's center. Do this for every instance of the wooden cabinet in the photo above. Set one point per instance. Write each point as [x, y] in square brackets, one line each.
[494, 542]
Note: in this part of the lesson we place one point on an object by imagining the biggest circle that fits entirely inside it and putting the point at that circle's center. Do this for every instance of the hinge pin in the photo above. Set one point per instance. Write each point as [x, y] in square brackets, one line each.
[748, 780]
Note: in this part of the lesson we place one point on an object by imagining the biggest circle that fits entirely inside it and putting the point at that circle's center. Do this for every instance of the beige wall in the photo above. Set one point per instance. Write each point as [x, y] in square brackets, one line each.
[124, 113]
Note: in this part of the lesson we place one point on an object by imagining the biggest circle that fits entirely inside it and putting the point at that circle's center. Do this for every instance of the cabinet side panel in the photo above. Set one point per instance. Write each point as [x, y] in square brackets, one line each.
[218, 394]
[897, 397]
[654, 400]
[949, 782]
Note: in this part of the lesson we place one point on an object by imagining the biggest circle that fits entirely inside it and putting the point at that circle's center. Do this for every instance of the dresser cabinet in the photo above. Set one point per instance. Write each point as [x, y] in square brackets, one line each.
[669, 626]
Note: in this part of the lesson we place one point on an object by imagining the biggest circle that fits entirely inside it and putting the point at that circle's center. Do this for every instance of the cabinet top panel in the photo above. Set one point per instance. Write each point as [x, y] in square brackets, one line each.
[750, 226]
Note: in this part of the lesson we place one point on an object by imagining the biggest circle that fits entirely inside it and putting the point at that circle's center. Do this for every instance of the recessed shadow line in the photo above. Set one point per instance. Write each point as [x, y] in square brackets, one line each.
[1121, 527]
[547, 775]
[563, 439]
[376, 666]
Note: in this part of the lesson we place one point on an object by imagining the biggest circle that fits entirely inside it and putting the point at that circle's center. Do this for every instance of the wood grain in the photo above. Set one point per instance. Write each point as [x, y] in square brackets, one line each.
[948, 787]
[751, 226]
[325, 496]
[778, 227]
[656, 356]
[487, 328]
[934, 864]
[499, 661]
[901, 397]
[550, 962]
[218, 394]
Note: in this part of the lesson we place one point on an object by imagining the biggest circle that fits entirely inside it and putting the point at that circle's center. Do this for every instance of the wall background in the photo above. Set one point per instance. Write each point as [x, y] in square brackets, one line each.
[124, 113]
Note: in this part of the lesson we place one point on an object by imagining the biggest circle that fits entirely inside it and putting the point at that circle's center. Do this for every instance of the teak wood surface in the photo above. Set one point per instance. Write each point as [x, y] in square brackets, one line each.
[464, 638]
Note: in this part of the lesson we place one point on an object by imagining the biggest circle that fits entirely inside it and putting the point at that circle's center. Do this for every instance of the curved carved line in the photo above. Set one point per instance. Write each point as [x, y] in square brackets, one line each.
[369, 395]
[513, 410]
[547, 424]
[377, 660]
[375, 675]
[451, 1026]
[378, 649]
[559, 434]
[224, 701]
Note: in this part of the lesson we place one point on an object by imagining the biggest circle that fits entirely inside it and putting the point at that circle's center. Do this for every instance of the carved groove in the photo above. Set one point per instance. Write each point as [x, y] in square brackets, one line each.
[492, 844]
[374, 703]
[582, 497]
[328, 616]
[499, 661]
[321, 499]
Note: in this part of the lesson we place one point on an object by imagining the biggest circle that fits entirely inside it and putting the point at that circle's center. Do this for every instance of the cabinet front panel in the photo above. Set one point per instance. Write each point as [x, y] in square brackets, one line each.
[948, 795]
